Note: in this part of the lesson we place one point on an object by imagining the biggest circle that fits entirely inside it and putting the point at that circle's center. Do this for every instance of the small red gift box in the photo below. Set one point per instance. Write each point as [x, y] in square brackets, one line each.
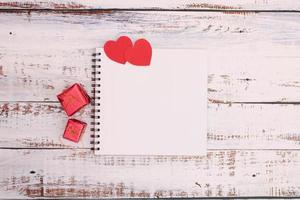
[73, 99]
[74, 130]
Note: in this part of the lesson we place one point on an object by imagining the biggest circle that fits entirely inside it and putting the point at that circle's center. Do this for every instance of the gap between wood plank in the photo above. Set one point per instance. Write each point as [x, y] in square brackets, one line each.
[215, 101]
[41, 148]
[190, 198]
[143, 10]
[229, 149]
[212, 101]
[265, 102]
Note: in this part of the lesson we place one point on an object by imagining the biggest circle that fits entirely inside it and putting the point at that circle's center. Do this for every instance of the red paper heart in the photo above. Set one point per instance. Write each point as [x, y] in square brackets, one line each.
[115, 50]
[140, 54]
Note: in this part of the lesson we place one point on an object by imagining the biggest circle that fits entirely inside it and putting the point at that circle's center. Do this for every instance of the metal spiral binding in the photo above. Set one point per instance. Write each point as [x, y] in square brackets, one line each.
[95, 112]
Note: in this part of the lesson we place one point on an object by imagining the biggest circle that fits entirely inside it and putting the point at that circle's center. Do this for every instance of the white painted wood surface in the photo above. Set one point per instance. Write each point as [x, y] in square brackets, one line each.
[153, 4]
[78, 173]
[253, 131]
[53, 52]
[41, 125]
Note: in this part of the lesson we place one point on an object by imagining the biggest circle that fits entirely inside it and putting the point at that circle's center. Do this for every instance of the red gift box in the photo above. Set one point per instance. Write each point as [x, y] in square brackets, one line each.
[73, 99]
[74, 130]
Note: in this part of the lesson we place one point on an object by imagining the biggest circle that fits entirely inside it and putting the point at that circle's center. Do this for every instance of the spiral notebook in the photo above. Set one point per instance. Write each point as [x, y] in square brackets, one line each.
[159, 109]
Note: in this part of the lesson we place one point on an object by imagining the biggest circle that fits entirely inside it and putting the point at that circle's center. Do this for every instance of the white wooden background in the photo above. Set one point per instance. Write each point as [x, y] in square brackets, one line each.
[253, 94]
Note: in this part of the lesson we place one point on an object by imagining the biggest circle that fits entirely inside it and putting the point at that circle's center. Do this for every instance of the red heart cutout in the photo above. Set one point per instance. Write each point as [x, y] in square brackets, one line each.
[115, 50]
[140, 54]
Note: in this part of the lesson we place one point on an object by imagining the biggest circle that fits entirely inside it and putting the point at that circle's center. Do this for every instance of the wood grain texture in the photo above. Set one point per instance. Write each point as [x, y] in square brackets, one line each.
[262, 126]
[152, 4]
[252, 93]
[253, 126]
[39, 125]
[55, 50]
[78, 173]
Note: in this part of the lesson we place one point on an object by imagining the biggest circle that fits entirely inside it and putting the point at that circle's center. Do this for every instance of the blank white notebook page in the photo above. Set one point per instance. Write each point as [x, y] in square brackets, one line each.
[159, 109]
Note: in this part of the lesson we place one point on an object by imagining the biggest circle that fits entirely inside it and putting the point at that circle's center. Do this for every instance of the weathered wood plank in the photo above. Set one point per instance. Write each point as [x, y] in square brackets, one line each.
[251, 57]
[54, 51]
[248, 126]
[230, 126]
[39, 125]
[152, 4]
[78, 174]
